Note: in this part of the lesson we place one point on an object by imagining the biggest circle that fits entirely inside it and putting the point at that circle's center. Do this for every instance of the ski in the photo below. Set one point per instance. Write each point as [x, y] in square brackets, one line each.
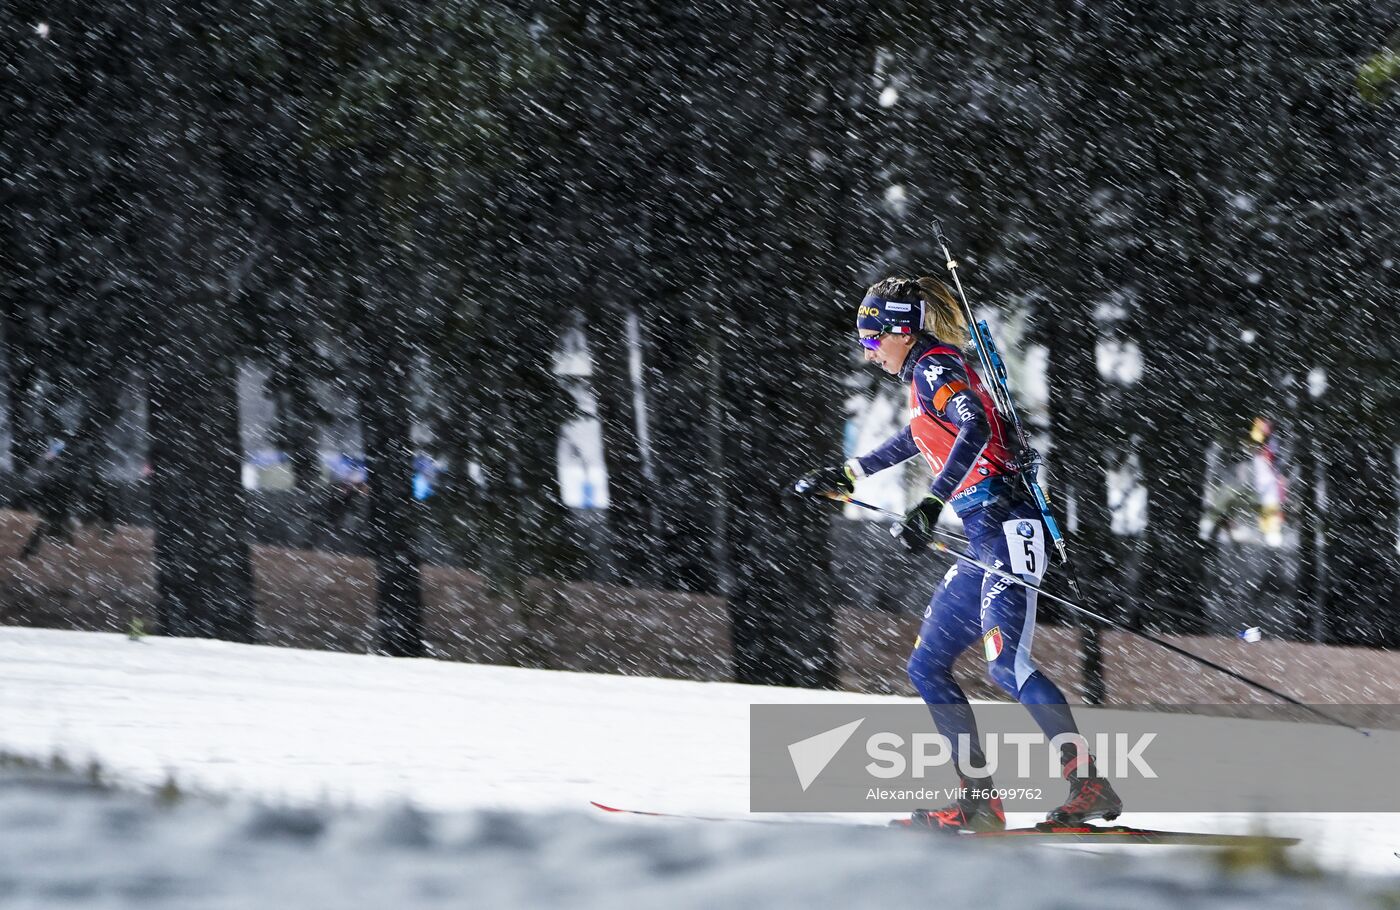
[1045, 831]
[726, 818]
[1124, 834]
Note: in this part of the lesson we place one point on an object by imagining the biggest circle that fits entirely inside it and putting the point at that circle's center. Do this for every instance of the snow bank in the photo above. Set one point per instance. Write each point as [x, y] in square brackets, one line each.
[65, 844]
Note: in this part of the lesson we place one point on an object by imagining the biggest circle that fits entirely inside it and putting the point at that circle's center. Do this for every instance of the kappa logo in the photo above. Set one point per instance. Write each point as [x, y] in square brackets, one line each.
[932, 372]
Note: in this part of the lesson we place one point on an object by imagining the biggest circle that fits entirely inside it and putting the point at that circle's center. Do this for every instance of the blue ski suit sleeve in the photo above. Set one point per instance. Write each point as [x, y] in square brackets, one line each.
[898, 449]
[962, 409]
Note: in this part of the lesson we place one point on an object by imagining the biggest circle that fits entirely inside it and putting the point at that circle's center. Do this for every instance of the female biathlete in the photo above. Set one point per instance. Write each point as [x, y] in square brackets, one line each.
[915, 330]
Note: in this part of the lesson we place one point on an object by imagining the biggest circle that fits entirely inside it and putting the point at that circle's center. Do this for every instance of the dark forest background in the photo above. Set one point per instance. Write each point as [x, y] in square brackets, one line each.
[389, 196]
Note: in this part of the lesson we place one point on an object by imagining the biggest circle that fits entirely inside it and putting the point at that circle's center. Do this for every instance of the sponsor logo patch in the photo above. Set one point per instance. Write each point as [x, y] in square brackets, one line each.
[992, 593]
[991, 644]
[894, 306]
[1025, 529]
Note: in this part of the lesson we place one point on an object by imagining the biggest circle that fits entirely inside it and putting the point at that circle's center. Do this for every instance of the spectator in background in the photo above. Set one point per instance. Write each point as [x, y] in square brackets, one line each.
[1269, 483]
[1252, 491]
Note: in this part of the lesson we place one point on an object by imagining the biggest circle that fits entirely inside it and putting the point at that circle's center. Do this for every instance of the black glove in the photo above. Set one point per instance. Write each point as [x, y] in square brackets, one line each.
[916, 529]
[834, 481]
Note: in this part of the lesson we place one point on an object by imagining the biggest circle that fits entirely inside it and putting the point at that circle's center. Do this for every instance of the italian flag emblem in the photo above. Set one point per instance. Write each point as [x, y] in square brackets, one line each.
[991, 644]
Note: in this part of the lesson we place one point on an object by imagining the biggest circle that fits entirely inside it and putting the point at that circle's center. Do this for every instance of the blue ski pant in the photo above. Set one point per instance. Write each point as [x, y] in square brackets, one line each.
[971, 604]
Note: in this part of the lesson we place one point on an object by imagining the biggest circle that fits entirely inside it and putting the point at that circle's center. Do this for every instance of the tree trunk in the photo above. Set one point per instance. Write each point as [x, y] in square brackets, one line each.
[389, 453]
[204, 576]
[28, 438]
[785, 207]
[507, 535]
[1077, 427]
[1361, 577]
[681, 440]
[781, 608]
[459, 501]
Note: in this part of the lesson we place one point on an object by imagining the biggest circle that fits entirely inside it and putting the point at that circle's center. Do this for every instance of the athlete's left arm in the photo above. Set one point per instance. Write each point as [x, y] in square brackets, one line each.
[944, 391]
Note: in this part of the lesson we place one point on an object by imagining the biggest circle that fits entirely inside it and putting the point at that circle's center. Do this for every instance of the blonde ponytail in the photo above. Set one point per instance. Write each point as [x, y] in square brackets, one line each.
[943, 318]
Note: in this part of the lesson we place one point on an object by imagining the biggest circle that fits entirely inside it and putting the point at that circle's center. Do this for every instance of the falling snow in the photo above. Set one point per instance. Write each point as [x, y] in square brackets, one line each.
[319, 315]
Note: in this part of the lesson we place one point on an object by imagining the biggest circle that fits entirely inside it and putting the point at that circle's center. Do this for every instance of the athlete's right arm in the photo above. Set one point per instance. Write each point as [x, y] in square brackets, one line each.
[898, 449]
[841, 480]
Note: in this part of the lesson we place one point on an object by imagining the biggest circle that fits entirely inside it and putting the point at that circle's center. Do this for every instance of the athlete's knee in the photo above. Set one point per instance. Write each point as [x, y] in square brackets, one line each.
[930, 679]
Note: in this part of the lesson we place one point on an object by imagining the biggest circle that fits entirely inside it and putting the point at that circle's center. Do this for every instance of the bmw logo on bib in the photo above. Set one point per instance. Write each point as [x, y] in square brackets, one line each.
[1025, 529]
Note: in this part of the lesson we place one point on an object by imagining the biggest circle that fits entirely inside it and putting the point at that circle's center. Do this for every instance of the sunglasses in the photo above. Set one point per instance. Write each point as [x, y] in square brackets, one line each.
[870, 342]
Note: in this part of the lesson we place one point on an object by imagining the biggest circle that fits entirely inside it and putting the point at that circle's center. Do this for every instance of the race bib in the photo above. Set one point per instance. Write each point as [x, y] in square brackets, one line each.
[1025, 539]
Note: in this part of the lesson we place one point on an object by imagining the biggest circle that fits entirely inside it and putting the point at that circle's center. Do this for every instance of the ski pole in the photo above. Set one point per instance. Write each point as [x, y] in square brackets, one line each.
[839, 497]
[1176, 649]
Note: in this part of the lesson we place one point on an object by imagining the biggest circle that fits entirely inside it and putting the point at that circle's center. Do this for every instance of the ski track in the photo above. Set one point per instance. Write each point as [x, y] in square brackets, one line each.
[323, 754]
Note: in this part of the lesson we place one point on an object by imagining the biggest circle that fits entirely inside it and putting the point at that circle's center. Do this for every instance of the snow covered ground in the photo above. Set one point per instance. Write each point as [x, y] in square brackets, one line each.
[345, 780]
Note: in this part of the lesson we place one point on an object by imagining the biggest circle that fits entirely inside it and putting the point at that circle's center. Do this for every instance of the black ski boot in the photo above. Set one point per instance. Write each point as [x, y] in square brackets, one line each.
[1090, 795]
[975, 811]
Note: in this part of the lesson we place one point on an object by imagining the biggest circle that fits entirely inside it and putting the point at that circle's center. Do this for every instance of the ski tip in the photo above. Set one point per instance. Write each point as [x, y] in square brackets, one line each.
[595, 803]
